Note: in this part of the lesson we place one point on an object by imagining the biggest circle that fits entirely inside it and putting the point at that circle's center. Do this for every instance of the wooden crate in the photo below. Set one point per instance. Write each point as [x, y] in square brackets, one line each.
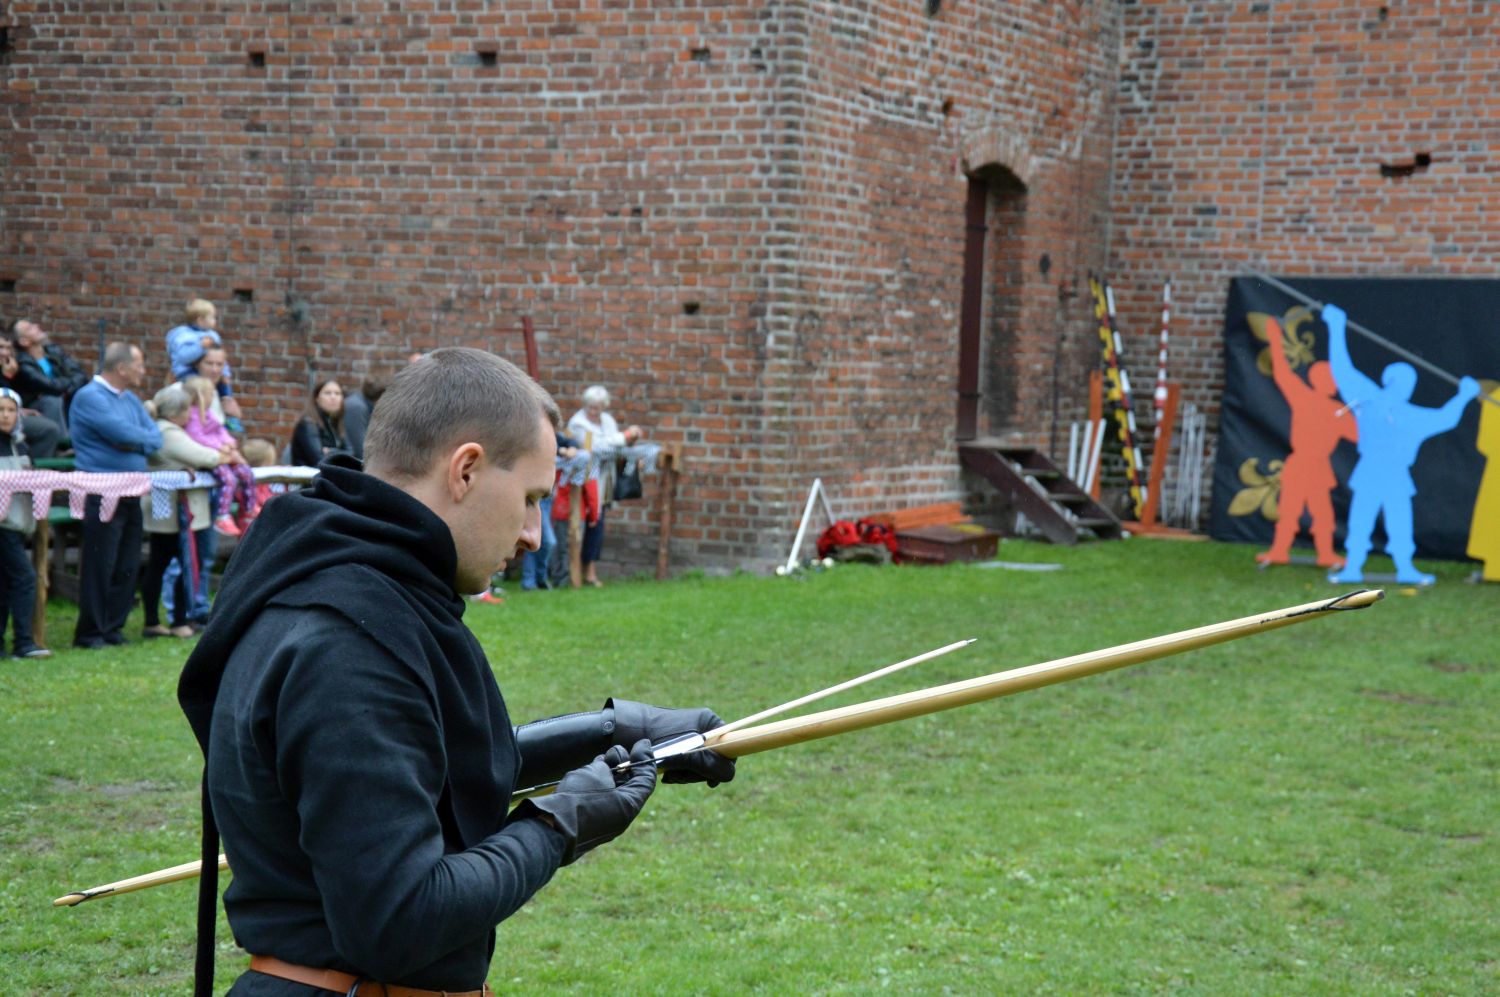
[946, 544]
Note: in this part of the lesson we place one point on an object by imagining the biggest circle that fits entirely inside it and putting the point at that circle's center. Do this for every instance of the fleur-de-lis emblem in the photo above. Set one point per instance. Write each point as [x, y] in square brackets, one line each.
[1262, 492]
[1295, 340]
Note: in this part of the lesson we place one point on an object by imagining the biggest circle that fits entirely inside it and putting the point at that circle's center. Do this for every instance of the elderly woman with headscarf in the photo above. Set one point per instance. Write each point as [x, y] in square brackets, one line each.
[17, 576]
[184, 533]
[595, 428]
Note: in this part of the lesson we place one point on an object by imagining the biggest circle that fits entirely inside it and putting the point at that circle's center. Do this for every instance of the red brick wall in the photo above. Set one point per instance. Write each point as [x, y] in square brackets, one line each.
[897, 106]
[1252, 135]
[745, 218]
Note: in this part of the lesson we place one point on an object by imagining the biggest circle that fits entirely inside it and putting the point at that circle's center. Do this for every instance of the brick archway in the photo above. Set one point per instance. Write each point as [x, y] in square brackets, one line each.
[997, 145]
[1000, 168]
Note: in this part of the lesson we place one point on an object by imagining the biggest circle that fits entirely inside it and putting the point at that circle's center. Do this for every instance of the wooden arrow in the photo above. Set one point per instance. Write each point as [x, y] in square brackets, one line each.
[779, 734]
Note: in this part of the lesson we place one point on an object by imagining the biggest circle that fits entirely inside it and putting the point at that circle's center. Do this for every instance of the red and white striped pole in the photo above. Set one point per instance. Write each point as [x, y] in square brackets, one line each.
[1159, 400]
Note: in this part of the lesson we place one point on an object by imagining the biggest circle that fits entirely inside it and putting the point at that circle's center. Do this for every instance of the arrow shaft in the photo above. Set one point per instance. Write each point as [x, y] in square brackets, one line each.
[188, 870]
[829, 723]
[841, 687]
[749, 740]
[1400, 351]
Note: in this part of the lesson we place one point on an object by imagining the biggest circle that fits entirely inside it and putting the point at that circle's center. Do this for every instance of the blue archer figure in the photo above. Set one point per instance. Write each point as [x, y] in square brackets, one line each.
[1391, 431]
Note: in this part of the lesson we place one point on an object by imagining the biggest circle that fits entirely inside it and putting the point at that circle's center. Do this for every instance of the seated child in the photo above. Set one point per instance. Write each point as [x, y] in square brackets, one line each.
[260, 453]
[17, 577]
[235, 476]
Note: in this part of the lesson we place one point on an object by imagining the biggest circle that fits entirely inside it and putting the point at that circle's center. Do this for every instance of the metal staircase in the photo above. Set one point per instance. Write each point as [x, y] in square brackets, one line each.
[1056, 505]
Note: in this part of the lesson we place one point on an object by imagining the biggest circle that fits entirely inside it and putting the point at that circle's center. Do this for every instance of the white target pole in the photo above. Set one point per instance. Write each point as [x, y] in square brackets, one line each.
[812, 496]
[1159, 399]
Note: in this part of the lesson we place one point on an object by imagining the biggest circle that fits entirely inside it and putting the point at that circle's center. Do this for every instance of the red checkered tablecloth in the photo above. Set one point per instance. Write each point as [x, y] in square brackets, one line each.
[78, 484]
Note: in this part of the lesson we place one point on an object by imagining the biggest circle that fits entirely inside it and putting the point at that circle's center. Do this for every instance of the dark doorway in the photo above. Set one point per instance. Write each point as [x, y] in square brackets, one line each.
[989, 318]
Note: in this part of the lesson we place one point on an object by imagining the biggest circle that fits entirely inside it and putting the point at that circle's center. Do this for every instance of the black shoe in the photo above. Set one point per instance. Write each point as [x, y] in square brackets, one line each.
[115, 639]
[89, 645]
[32, 651]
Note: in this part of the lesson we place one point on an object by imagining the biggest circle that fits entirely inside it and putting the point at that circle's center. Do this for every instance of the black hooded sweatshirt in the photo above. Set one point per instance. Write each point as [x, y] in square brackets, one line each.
[359, 758]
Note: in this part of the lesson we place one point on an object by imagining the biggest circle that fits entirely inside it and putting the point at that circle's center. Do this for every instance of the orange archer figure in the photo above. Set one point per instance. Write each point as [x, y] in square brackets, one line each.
[1319, 422]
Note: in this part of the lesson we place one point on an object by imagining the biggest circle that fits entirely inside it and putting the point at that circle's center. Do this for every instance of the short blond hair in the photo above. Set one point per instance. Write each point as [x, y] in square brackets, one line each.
[199, 308]
[258, 452]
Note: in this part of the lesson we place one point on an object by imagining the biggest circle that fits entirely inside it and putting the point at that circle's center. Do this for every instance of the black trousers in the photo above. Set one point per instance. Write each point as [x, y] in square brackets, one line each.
[160, 551]
[163, 548]
[593, 539]
[17, 588]
[42, 435]
[111, 561]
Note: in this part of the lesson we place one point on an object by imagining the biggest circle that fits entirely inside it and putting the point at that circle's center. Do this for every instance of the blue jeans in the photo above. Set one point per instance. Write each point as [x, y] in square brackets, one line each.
[534, 568]
[208, 547]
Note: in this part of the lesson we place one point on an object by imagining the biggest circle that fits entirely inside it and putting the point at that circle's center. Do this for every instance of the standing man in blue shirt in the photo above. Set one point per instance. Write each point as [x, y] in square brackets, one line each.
[112, 432]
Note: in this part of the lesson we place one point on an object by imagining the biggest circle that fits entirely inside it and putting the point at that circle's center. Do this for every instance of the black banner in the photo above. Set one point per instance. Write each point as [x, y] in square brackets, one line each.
[1451, 323]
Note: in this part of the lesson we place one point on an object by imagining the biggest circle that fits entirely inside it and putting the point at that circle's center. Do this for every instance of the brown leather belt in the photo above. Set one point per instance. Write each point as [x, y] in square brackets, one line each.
[348, 983]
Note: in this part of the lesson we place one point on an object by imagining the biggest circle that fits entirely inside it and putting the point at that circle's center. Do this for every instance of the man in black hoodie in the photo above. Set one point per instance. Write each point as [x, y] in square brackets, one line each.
[359, 758]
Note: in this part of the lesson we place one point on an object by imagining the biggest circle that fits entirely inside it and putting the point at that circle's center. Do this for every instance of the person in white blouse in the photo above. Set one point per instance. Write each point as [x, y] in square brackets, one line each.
[596, 429]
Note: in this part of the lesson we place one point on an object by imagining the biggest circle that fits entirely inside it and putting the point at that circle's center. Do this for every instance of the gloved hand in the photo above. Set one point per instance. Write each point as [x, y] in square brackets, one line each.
[595, 804]
[637, 720]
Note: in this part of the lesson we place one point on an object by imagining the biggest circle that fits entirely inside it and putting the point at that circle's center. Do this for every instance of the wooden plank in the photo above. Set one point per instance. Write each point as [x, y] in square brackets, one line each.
[938, 514]
[1159, 455]
[41, 545]
[666, 494]
[575, 537]
[1096, 412]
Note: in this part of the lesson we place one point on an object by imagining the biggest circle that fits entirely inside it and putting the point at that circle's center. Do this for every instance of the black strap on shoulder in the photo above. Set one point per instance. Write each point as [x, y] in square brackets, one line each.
[208, 901]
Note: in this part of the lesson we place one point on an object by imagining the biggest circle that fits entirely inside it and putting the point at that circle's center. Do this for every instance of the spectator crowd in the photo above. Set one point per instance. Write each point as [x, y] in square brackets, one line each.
[50, 408]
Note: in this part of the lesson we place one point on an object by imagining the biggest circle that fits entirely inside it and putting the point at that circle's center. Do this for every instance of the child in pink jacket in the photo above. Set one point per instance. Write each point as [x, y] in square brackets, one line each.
[236, 480]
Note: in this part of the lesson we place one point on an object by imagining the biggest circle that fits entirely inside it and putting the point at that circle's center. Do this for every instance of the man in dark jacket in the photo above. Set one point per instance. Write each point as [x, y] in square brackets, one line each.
[359, 758]
[42, 434]
[48, 377]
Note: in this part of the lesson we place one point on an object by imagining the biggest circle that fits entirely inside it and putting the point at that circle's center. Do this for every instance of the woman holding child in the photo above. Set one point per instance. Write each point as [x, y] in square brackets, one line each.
[183, 533]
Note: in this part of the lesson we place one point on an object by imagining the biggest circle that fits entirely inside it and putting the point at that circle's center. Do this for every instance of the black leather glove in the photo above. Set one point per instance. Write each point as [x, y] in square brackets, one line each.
[595, 804]
[638, 720]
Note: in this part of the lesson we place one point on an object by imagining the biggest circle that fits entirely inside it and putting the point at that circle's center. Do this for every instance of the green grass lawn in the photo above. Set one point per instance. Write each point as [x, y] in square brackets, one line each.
[1311, 811]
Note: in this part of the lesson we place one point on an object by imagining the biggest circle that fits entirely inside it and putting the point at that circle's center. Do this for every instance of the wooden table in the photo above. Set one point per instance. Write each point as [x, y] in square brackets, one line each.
[80, 486]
